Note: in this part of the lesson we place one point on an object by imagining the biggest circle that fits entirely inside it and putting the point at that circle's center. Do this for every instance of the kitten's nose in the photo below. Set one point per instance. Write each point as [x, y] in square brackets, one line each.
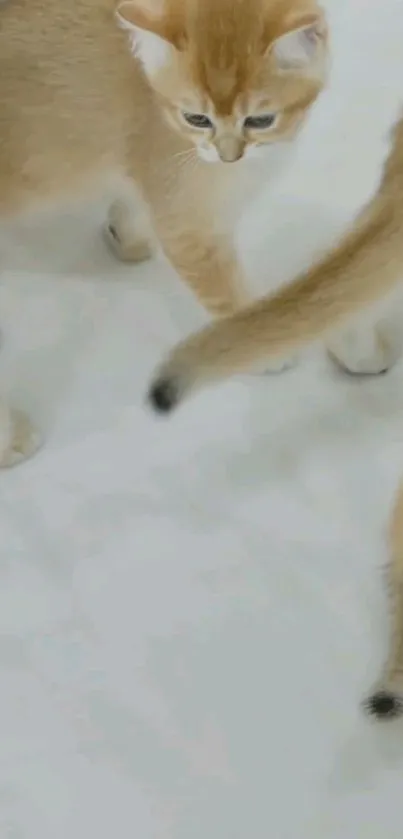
[229, 148]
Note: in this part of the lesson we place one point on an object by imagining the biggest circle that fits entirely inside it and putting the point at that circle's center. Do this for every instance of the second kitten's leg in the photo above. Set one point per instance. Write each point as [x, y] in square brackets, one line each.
[128, 231]
[210, 267]
[387, 699]
[208, 264]
[18, 437]
[364, 349]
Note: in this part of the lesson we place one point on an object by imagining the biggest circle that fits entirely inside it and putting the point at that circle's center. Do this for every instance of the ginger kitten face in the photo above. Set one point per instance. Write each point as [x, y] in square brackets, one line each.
[233, 76]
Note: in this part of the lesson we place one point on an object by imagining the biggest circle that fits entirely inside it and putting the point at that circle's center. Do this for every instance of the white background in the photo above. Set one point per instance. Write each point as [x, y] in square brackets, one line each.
[192, 610]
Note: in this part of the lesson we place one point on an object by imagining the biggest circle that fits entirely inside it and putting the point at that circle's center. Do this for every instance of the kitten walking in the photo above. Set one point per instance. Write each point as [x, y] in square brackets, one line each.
[361, 270]
[164, 94]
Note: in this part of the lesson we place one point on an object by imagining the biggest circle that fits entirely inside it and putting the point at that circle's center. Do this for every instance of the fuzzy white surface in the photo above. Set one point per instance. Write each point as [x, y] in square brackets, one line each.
[192, 610]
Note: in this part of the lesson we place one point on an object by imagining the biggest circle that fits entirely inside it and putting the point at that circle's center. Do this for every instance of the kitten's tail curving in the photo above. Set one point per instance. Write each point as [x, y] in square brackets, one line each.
[360, 271]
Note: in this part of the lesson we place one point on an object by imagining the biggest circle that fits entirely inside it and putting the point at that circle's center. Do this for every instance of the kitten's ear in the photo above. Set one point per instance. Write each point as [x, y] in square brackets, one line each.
[303, 46]
[149, 34]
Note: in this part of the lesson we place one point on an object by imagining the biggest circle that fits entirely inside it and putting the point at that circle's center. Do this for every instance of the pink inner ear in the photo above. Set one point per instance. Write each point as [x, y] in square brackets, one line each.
[314, 20]
[150, 17]
[142, 17]
[314, 23]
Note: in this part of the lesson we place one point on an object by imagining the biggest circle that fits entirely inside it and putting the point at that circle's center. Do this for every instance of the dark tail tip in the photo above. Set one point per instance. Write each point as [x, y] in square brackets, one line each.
[164, 396]
[384, 705]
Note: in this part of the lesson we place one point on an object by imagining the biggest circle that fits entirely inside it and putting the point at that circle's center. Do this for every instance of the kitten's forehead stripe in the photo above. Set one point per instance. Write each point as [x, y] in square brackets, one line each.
[227, 39]
[228, 42]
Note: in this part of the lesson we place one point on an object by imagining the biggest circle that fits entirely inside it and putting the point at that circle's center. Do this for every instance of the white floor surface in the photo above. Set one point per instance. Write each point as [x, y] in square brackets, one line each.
[192, 610]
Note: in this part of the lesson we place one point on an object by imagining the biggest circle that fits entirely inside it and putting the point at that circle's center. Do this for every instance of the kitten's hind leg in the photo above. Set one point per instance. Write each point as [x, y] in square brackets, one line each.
[364, 350]
[19, 439]
[128, 231]
[386, 701]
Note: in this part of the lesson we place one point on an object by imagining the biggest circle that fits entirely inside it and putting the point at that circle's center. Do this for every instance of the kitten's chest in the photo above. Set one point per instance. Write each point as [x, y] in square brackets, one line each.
[232, 192]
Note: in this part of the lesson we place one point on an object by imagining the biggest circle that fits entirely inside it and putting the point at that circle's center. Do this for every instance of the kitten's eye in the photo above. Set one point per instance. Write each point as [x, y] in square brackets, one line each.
[260, 122]
[198, 120]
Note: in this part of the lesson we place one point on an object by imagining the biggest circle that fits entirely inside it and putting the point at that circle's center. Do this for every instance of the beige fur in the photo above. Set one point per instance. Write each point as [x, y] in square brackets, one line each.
[360, 271]
[77, 106]
[387, 699]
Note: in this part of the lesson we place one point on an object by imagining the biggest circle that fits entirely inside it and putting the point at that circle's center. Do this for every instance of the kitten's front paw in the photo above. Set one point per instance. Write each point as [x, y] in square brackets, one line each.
[136, 250]
[128, 233]
[19, 439]
[364, 352]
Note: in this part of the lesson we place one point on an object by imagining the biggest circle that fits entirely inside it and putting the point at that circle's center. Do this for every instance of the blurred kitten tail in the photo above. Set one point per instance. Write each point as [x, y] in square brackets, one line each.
[386, 700]
[364, 268]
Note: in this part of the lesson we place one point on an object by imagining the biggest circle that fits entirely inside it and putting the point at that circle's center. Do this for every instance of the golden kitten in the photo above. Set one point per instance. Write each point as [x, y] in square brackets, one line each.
[164, 94]
[361, 270]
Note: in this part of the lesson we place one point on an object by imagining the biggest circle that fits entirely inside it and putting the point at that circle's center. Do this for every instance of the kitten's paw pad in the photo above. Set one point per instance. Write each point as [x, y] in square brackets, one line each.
[136, 250]
[384, 704]
[368, 355]
[24, 440]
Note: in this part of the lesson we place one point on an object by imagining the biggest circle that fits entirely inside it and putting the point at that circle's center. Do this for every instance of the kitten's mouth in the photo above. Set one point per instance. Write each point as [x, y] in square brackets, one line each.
[212, 156]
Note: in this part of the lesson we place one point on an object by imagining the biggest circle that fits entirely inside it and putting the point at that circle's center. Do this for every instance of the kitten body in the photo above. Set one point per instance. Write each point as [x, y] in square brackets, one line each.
[162, 95]
[362, 270]
[77, 107]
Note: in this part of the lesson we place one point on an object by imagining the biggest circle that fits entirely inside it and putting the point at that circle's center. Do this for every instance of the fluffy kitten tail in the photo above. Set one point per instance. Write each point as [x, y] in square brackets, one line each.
[365, 266]
[386, 700]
